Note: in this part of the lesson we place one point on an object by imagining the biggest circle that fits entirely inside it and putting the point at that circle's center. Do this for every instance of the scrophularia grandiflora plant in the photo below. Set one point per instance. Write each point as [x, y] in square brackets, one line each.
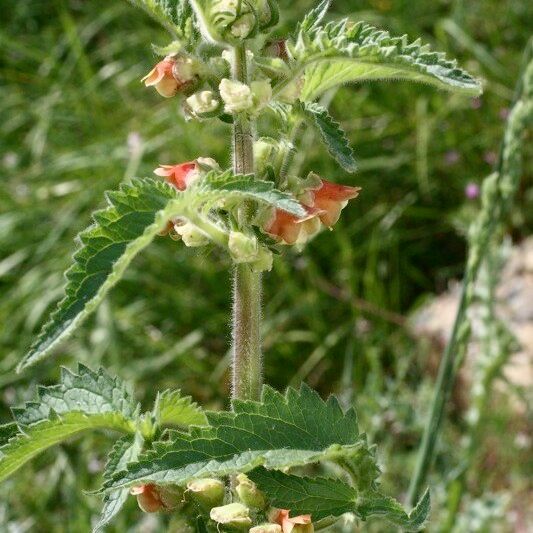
[231, 470]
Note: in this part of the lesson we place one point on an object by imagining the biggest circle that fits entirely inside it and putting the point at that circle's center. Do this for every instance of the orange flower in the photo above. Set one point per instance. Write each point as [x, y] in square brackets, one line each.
[291, 229]
[162, 78]
[152, 498]
[148, 498]
[181, 176]
[298, 524]
[323, 204]
[331, 199]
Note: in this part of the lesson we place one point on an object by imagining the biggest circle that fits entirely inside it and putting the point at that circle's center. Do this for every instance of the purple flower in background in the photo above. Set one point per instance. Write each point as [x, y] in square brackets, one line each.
[476, 103]
[472, 190]
[451, 157]
[504, 113]
[490, 158]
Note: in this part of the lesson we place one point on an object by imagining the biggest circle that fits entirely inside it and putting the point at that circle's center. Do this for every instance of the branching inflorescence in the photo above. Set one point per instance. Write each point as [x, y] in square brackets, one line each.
[230, 470]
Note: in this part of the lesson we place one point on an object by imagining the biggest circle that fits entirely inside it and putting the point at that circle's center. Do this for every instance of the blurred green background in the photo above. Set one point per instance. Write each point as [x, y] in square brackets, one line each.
[76, 121]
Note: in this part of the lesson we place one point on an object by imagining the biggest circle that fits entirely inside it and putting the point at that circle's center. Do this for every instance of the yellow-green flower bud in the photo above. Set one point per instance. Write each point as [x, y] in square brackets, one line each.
[208, 492]
[267, 12]
[191, 235]
[248, 492]
[291, 92]
[263, 262]
[232, 19]
[243, 248]
[233, 515]
[261, 93]
[203, 104]
[237, 96]
[266, 528]
[243, 26]
[264, 152]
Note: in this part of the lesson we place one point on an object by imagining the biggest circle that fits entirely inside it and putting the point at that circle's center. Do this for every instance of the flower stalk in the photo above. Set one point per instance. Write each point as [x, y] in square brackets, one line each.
[246, 350]
[498, 194]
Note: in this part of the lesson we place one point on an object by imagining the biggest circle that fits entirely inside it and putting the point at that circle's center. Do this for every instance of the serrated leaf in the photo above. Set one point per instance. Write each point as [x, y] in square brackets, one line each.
[7, 431]
[326, 497]
[136, 213]
[38, 437]
[84, 391]
[82, 401]
[317, 496]
[125, 450]
[134, 216]
[279, 432]
[373, 503]
[331, 133]
[314, 17]
[171, 14]
[344, 52]
[173, 409]
[246, 187]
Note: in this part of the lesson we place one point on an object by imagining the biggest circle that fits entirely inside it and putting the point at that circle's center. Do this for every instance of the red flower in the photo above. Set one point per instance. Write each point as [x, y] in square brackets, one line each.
[162, 78]
[298, 524]
[181, 176]
[323, 204]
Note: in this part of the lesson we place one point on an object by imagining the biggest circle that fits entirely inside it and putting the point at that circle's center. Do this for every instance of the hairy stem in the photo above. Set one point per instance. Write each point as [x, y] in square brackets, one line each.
[246, 350]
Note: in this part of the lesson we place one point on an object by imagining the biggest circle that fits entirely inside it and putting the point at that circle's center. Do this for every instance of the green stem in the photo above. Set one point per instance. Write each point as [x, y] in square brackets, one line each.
[443, 385]
[246, 352]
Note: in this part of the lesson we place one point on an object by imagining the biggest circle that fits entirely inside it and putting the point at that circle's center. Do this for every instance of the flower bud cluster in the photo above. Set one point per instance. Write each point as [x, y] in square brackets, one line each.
[235, 20]
[239, 97]
[249, 505]
[181, 74]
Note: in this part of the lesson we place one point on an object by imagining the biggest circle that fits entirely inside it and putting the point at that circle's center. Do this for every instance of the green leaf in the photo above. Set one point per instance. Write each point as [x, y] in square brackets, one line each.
[173, 409]
[171, 14]
[136, 213]
[86, 391]
[7, 431]
[248, 188]
[323, 498]
[134, 216]
[279, 432]
[317, 496]
[344, 52]
[314, 17]
[82, 401]
[125, 450]
[332, 134]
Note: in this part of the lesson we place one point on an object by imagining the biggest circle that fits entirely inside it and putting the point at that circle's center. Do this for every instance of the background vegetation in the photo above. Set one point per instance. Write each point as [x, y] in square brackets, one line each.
[75, 121]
